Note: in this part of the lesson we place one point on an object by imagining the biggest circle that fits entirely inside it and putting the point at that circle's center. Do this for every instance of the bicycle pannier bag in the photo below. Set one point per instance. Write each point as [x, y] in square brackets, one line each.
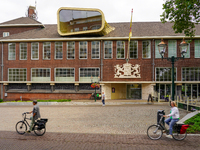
[183, 129]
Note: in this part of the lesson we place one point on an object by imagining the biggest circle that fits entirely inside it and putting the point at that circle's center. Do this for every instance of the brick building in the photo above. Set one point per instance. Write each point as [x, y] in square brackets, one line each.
[39, 63]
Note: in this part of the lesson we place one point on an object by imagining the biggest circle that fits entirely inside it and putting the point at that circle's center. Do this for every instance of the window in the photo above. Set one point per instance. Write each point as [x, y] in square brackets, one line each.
[120, 49]
[6, 34]
[172, 50]
[108, 49]
[95, 49]
[70, 50]
[165, 74]
[157, 54]
[83, 50]
[190, 74]
[11, 51]
[187, 55]
[146, 49]
[40, 74]
[23, 51]
[58, 50]
[17, 74]
[197, 48]
[76, 29]
[133, 49]
[64, 74]
[86, 74]
[34, 51]
[46, 50]
[85, 28]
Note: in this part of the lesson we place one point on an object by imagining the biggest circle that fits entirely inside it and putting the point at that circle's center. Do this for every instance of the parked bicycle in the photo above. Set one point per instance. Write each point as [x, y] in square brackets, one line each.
[39, 127]
[155, 132]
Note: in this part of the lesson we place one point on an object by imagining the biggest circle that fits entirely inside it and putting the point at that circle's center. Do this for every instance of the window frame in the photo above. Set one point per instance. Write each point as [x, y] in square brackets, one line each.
[149, 49]
[88, 68]
[130, 51]
[157, 54]
[16, 68]
[32, 51]
[198, 50]
[68, 49]
[40, 68]
[86, 49]
[55, 51]
[175, 70]
[5, 34]
[64, 68]
[120, 49]
[111, 50]
[46, 50]
[14, 52]
[21, 52]
[172, 50]
[95, 49]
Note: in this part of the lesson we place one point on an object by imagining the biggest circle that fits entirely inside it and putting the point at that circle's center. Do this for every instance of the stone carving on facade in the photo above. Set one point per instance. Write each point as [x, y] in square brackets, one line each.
[127, 70]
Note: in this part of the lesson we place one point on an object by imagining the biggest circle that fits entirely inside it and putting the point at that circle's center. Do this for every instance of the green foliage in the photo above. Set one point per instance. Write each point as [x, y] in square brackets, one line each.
[51, 100]
[1, 100]
[194, 123]
[184, 14]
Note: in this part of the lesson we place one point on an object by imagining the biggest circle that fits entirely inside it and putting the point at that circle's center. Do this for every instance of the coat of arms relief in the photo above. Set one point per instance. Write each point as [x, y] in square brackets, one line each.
[127, 70]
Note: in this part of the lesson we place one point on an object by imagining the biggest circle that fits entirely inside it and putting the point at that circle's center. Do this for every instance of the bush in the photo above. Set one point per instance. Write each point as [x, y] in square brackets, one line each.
[51, 100]
[1, 100]
[194, 123]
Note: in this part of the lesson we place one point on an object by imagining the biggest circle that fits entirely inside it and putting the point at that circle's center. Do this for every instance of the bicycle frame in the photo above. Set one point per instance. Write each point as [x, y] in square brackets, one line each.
[160, 124]
[24, 120]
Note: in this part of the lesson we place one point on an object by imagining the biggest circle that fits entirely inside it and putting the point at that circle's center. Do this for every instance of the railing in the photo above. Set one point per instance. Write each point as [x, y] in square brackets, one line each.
[188, 104]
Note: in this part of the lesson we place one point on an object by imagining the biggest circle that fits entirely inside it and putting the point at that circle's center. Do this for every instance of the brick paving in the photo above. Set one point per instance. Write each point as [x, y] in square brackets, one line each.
[90, 127]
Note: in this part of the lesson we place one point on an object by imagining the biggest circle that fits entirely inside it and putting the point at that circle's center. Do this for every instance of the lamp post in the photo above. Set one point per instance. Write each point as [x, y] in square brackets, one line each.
[96, 84]
[183, 49]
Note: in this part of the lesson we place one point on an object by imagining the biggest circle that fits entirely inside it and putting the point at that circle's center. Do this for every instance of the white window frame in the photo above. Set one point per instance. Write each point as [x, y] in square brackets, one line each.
[68, 49]
[120, 50]
[95, 49]
[17, 68]
[13, 53]
[175, 70]
[190, 71]
[111, 50]
[86, 50]
[55, 51]
[89, 80]
[137, 50]
[157, 54]
[197, 49]
[172, 52]
[63, 68]
[45, 52]
[40, 68]
[187, 55]
[5, 34]
[21, 52]
[32, 51]
[149, 50]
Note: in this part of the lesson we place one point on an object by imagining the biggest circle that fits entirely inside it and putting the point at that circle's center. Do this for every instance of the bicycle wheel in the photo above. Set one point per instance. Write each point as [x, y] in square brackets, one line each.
[38, 131]
[21, 127]
[154, 132]
[177, 136]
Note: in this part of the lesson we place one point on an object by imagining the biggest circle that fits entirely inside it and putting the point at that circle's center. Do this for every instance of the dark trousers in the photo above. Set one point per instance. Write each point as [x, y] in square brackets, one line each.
[103, 101]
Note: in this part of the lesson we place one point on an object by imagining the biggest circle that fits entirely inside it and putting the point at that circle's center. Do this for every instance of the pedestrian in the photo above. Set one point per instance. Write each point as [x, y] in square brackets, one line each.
[35, 115]
[173, 118]
[103, 98]
[150, 98]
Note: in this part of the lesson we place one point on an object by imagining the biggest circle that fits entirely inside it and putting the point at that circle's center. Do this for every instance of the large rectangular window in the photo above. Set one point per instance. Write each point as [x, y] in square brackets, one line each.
[146, 49]
[133, 49]
[23, 51]
[172, 48]
[64, 74]
[190, 74]
[83, 50]
[34, 51]
[58, 50]
[11, 51]
[197, 48]
[47, 50]
[16, 74]
[120, 49]
[85, 74]
[165, 74]
[157, 54]
[40, 74]
[70, 50]
[95, 49]
[108, 50]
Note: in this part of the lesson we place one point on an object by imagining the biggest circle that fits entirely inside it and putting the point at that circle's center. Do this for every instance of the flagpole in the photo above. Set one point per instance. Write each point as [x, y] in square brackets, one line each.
[130, 34]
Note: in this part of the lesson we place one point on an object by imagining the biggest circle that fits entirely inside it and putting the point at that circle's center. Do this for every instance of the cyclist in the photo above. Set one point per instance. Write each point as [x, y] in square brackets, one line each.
[35, 116]
[174, 117]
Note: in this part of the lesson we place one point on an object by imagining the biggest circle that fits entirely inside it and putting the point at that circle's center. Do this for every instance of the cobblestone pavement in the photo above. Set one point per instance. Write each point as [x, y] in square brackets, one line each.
[90, 127]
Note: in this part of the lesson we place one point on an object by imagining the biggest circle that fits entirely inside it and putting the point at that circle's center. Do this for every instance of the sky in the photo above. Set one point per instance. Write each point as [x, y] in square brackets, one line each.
[114, 10]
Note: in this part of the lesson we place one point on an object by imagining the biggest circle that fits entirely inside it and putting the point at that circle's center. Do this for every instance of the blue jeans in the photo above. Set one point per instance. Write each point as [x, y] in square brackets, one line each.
[171, 123]
[103, 101]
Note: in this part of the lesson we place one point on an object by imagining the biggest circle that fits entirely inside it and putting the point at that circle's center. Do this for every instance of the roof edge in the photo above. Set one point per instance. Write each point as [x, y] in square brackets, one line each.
[21, 25]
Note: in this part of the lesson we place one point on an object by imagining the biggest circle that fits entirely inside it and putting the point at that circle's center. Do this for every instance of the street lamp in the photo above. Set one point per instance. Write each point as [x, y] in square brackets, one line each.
[94, 85]
[183, 49]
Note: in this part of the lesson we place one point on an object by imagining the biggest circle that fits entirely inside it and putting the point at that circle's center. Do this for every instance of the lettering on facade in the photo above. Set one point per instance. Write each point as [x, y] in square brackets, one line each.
[127, 70]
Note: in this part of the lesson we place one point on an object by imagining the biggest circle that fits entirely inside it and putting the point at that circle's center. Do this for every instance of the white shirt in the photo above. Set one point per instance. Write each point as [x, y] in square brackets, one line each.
[174, 113]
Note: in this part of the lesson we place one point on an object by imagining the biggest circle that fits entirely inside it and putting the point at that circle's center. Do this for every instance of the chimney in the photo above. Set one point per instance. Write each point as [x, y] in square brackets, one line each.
[32, 12]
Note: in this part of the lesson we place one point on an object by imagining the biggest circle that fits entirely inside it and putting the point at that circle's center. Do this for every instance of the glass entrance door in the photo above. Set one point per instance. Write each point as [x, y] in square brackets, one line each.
[134, 91]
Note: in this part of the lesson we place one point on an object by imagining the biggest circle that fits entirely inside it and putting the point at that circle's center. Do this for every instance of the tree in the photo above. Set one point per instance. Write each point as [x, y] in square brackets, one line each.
[185, 14]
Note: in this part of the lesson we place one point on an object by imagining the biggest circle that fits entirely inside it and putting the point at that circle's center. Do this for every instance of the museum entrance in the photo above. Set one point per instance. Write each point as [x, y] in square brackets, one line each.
[134, 91]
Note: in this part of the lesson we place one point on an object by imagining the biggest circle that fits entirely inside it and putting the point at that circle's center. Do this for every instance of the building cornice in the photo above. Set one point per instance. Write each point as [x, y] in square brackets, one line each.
[22, 25]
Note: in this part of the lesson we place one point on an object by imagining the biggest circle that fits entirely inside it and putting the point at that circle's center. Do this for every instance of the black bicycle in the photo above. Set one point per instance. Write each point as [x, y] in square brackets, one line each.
[155, 132]
[39, 127]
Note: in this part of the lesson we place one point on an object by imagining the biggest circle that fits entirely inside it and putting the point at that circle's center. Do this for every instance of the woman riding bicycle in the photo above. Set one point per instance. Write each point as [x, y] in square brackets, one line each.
[174, 117]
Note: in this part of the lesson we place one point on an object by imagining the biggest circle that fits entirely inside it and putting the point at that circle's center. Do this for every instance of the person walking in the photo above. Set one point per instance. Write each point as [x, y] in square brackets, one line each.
[35, 115]
[103, 98]
[173, 118]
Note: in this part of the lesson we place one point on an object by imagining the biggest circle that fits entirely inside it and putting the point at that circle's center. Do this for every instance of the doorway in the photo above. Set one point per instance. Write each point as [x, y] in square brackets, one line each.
[134, 91]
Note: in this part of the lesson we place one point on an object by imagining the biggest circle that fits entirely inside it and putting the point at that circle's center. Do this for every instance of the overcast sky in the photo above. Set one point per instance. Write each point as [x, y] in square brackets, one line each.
[114, 10]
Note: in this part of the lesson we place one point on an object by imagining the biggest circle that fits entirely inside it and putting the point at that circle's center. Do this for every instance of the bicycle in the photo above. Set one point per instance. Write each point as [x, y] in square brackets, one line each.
[38, 128]
[155, 131]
